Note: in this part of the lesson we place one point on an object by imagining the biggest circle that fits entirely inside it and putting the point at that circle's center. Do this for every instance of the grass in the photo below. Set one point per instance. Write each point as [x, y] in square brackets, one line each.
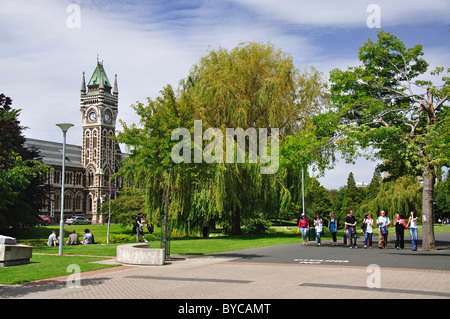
[50, 264]
[47, 266]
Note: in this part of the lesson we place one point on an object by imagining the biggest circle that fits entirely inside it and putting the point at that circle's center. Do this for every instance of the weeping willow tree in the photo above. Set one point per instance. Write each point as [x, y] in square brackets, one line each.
[400, 196]
[256, 86]
[253, 86]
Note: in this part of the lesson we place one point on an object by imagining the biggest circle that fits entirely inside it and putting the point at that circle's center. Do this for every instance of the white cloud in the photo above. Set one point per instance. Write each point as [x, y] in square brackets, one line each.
[350, 13]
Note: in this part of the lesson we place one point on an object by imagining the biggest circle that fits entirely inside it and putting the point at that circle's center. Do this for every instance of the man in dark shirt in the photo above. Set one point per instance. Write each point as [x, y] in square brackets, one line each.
[350, 222]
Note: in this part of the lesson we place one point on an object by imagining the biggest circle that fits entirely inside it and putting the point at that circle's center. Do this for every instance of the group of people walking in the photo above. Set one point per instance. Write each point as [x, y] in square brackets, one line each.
[367, 226]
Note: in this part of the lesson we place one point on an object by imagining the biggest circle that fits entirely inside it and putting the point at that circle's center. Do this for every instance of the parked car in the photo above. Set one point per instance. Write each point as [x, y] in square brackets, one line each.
[78, 220]
[44, 220]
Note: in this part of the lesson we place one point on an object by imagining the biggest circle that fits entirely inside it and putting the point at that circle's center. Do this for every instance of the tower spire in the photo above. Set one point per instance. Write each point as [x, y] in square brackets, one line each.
[115, 90]
[83, 85]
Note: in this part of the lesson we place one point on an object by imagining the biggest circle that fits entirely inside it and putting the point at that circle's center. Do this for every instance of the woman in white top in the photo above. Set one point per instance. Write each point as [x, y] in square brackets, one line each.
[318, 227]
[368, 221]
[412, 225]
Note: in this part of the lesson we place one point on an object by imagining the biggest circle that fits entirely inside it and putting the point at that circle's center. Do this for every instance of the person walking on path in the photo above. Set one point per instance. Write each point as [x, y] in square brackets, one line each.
[400, 226]
[350, 221]
[368, 222]
[332, 226]
[412, 225]
[383, 223]
[140, 223]
[318, 226]
[345, 237]
[303, 226]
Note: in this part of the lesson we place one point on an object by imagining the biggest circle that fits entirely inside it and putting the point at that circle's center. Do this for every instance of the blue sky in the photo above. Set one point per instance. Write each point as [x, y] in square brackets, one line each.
[149, 44]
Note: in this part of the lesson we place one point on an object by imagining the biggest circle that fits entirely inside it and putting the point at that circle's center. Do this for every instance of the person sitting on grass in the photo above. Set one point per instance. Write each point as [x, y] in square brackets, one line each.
[73, 239]
[52, 240]
[88, 238]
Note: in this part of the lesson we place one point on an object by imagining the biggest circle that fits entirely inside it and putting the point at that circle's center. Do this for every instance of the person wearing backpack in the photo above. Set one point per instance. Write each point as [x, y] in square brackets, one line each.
[383, 223]
[140, 222]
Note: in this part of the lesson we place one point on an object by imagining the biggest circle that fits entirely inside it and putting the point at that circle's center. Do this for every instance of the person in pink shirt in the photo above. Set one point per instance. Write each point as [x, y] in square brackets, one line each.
[400, 226]
[303, 226]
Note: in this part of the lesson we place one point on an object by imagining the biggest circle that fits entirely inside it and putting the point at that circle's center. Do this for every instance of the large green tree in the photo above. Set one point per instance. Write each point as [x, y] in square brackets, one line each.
[255, 86]
[388, 106]
[352, 196]
[20, 171]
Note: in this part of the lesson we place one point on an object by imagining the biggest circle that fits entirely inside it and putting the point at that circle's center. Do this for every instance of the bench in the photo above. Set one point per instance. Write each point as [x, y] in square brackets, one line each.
[140, 254]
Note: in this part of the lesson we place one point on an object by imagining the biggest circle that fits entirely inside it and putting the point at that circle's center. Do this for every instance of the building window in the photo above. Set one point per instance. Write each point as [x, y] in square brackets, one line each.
[56, 177]
[68, 201]
[68, 178]
[90, 179]
[78, 179]
[78, 201]
[57, 201]
[89, 204]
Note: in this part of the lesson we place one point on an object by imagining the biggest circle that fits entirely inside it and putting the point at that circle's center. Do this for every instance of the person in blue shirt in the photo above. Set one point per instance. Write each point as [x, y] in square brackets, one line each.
[88, 238]
[332, 226]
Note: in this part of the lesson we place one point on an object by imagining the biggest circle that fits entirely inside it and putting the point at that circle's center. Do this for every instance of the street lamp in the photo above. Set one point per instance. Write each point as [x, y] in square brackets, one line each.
[100, 173]
[64, 128]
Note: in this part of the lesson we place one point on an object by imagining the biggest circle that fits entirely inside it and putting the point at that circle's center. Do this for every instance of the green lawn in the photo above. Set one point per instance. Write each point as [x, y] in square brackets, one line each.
[47, 266]
[46, 263]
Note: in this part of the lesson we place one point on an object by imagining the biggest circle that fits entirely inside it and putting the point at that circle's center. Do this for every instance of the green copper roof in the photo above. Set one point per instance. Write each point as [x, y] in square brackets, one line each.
[94, 82]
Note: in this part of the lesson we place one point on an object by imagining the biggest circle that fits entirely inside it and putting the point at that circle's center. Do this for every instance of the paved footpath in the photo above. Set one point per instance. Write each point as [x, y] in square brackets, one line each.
[333, 272]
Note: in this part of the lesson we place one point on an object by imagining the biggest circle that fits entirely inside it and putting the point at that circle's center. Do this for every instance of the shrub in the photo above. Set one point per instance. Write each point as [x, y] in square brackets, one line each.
[256, 225]
[122, 238]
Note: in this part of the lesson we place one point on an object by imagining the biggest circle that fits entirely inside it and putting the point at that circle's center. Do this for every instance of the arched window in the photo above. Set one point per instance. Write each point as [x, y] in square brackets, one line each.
[57, 202]
[90, 181]
[78, 201]
[89, 203]
[87, 139]
[68, 200]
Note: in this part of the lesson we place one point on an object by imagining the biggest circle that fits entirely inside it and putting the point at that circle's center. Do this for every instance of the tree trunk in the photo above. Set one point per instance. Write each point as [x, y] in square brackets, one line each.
[166, 194]
[428, 241]
[236, 222]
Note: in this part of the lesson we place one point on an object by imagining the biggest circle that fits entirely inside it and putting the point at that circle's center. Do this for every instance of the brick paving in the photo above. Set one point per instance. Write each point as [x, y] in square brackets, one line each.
[219, 277]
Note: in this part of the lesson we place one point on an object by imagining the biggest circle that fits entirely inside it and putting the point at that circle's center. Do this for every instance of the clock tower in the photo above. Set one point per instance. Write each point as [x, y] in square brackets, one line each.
[100, 155]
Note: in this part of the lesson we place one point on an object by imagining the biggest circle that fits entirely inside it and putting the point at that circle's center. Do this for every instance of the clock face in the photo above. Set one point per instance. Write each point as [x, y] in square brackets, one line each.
[107, 117]
[92, 116]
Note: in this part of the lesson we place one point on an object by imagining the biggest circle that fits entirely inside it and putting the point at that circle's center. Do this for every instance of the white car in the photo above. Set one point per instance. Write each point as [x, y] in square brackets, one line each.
[78, 220]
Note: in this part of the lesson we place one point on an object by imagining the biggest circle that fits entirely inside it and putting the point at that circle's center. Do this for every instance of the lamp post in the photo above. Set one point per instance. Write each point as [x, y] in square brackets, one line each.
[109, 214]
[64, 128]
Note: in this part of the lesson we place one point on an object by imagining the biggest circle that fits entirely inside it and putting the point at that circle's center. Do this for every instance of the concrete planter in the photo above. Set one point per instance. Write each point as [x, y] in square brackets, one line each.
[13, 255]
[140, 254]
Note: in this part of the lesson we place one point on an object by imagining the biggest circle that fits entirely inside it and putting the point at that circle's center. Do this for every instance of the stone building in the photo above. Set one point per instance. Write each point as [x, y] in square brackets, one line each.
[90, 165]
